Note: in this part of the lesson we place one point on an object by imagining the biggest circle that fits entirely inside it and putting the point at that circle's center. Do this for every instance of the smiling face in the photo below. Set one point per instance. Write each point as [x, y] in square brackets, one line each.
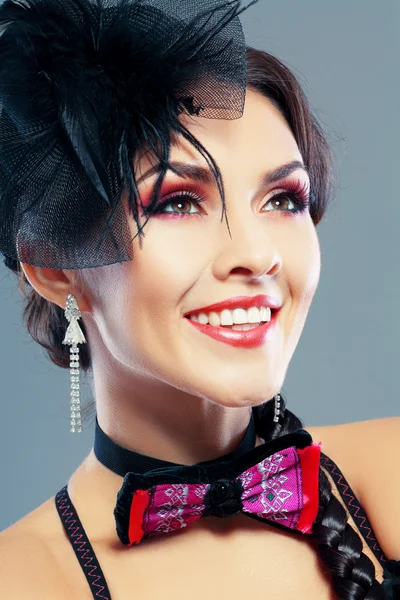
[190, 260]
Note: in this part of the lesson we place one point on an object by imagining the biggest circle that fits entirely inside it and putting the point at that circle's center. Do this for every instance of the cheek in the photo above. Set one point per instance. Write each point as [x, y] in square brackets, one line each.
[303, 267]
[301, 272]
[167, 263]
[112, 291]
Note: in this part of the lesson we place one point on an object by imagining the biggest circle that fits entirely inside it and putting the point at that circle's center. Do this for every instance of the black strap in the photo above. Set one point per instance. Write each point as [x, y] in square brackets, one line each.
[81, 545]
[122, 461]
[356, 510]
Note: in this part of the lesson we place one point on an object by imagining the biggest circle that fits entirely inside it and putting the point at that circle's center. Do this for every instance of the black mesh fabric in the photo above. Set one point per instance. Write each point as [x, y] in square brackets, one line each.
[86, 85]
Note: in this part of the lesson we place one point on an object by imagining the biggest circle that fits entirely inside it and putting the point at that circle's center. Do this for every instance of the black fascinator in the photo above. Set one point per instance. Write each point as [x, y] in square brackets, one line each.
[84, 85]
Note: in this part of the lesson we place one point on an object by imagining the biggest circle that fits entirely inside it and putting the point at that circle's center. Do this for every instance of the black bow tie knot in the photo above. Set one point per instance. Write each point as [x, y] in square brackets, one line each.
[223, 498]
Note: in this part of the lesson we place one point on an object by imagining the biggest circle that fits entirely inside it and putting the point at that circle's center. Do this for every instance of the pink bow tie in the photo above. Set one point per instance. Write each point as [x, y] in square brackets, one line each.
[276, 482]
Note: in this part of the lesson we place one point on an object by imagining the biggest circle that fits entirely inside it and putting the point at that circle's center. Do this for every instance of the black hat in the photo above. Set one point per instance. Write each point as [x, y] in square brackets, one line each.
[85, 85]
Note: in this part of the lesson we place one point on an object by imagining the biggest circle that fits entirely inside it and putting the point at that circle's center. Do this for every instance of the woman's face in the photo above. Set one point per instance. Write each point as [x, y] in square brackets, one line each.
[188, 260]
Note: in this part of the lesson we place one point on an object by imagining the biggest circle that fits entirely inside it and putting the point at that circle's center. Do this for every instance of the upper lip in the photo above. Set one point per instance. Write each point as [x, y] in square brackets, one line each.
[239, 302]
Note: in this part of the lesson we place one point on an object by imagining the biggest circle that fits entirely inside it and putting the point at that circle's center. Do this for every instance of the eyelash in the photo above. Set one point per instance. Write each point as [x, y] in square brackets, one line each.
[295, 191]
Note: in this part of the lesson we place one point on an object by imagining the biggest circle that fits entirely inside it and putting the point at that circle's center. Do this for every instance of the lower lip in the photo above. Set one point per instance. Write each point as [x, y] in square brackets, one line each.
[250, 338]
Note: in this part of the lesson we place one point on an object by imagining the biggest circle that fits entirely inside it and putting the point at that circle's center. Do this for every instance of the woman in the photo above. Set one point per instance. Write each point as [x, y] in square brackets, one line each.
[186, 332]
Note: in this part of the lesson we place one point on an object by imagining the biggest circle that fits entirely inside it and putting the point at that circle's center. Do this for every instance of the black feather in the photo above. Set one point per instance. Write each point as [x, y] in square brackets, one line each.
[85, 85]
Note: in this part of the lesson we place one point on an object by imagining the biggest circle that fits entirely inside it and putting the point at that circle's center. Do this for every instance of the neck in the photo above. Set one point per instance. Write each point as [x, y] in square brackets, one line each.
[152, 418]
[155, 420]
[122, 461]
[184, 431]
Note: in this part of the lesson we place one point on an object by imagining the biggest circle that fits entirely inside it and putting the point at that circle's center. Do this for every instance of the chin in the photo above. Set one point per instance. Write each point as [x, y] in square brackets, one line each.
[234, 396]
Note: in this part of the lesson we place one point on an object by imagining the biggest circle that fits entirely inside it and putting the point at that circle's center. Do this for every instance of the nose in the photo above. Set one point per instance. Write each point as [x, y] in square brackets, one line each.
[247, 248]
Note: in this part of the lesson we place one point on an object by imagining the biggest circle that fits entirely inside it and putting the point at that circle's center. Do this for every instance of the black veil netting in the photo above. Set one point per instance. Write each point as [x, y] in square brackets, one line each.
[84, 85]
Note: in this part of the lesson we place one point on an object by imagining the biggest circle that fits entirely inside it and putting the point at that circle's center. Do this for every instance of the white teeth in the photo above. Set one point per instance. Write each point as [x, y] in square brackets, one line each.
[213, 319]
[254, 315]
[238, 316]
[226, 317]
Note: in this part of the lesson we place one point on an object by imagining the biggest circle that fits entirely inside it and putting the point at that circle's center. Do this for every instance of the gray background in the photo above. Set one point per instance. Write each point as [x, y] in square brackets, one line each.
[345, 368]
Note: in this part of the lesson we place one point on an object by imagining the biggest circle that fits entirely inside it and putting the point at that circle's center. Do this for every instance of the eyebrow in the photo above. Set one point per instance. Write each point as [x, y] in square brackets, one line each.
[204, 175]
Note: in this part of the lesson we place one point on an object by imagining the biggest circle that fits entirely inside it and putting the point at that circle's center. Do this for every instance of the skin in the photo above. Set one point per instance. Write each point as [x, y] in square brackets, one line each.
[164, 389]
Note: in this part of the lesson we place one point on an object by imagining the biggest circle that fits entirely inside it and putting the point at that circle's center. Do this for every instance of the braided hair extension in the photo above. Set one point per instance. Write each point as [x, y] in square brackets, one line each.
[339, 546]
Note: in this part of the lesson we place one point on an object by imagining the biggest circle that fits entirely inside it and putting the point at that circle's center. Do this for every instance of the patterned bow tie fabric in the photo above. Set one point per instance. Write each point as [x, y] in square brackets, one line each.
[276, 482]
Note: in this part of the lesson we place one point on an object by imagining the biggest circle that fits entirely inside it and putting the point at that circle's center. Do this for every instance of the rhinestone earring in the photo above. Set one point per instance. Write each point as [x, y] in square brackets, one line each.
[277, 407]
[73, 337]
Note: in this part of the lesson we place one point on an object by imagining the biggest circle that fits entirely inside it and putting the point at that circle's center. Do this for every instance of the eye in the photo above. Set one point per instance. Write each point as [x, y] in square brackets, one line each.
[294, 199]
[286, 198]
[180, 199]
[295, 193]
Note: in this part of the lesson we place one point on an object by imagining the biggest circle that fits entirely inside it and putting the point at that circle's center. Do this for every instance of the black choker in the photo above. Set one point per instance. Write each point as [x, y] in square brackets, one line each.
[122, 461]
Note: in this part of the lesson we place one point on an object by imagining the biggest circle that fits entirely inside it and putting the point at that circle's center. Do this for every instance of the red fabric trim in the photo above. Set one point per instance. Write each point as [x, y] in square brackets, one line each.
[310, 461]
[140, 502]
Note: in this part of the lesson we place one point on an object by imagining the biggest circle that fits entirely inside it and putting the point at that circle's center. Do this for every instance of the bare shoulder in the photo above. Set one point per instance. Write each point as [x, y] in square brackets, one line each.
[30, 567]
[368, 454]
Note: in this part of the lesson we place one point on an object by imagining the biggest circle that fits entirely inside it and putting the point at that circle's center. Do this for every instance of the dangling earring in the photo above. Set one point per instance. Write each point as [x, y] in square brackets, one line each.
[277, 407]
[73, 337]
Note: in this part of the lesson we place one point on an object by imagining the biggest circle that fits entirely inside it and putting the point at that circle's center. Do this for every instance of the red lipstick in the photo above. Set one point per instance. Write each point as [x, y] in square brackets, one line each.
[250, 338]
[238, 302]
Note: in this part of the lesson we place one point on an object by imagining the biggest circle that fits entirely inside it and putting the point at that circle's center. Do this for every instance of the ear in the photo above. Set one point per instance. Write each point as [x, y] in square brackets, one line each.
[55, 285]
